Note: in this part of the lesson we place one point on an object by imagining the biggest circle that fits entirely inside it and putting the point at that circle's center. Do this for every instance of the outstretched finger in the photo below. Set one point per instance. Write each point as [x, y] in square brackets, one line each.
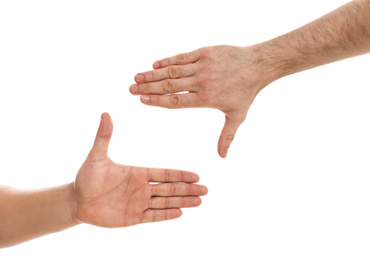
[179, 59]
[170, 72]
[154, 215]
[167, 86]
[178, 189]
[227, 136]
[172, 101]
[102, 139]
[167, 175]
[174, 202]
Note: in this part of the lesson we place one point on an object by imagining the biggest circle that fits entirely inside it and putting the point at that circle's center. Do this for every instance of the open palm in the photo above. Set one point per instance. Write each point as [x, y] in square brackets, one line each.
[114, 195]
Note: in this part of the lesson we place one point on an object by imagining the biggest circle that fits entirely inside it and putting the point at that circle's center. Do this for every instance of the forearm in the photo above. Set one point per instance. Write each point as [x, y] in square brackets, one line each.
[340, 34]
[25, 215]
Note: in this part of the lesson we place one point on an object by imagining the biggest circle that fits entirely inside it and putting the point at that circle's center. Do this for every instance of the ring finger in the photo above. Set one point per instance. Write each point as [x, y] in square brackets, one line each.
[174, 202]
[178, 190]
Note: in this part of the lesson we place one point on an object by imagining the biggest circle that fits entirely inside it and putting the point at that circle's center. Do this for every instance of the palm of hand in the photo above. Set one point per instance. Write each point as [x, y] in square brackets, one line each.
[112, 195]
[109, 194]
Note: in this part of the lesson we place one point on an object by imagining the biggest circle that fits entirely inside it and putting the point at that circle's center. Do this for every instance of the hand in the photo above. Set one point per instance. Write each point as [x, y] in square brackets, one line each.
[223, 77]
[109, 194]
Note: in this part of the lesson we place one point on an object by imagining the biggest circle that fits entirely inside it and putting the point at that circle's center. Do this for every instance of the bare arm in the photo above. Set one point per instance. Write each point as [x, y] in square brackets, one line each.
[229, 78]
[28, 214]
[105, 194]
[340, 34]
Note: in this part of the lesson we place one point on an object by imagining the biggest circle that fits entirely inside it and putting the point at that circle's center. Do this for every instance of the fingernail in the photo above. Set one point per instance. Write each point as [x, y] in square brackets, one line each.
[156, 65]
[145, 98]
[134, 88]
[139, 78]
[204, 190]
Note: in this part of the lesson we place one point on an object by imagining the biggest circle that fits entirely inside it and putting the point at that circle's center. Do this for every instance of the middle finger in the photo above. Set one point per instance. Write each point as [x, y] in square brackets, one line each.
[166, 86]
[170, 72]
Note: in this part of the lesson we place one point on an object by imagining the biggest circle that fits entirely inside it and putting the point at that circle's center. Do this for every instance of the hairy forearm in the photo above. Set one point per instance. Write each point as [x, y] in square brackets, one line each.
[340, 34]
[25, 215]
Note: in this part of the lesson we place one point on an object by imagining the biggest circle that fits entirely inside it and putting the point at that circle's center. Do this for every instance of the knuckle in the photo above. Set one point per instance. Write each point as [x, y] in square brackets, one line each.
[184, 203]
[189, 189]
[181, 58]
[175, 101]
[206, 51]
[165, 62]
[168, 85]
[172, 72]
[166, 176]
[203, 79]
[166, 203]
[151, 75]
[204, 98]
[172, 189]
[181, 175]
[230, 137]
[145, 88]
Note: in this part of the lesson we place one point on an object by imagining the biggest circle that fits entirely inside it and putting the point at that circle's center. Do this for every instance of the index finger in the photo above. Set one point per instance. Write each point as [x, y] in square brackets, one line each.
[179, 59]
[168, 175]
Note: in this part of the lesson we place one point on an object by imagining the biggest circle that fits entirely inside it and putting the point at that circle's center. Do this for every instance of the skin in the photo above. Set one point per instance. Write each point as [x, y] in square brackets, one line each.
[105, 194]
[229, 78]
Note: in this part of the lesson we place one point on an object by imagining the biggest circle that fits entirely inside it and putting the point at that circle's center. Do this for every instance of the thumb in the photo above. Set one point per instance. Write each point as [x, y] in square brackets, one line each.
[227, 135]
[103, 136]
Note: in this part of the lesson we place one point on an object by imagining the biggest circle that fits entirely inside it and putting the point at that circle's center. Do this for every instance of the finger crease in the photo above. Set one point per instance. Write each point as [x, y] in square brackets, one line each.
[167, 203]
[172, 189]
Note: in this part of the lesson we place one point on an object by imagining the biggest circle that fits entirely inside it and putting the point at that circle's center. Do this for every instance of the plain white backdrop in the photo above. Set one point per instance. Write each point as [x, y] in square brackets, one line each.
[296, 181]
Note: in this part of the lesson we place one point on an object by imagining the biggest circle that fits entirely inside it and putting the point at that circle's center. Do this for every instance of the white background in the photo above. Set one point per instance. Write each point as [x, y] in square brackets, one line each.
[296, 181]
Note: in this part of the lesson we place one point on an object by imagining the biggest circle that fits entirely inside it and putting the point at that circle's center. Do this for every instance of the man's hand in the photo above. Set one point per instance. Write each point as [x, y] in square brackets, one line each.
[227, 78]
[114, 195]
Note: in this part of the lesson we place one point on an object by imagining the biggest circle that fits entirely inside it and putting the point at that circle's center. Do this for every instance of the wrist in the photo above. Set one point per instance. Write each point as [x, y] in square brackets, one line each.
[274, 60]
[71, 206]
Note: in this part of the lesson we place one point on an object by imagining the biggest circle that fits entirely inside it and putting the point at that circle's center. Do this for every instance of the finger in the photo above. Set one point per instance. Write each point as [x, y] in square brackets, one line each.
[103, 135]
[174, 202]
[167, 175]
[166, 86]
[227, 136]
[178, 189]
[172, 101]
[154, 215]
[179, 59]
[170, 72]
